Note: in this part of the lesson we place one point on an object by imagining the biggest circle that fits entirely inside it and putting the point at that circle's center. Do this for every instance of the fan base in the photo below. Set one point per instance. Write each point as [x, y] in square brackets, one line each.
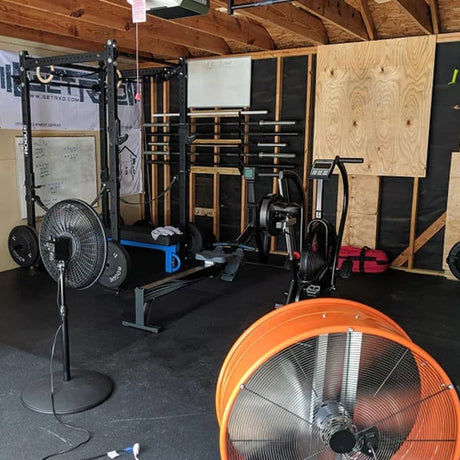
[86, 389]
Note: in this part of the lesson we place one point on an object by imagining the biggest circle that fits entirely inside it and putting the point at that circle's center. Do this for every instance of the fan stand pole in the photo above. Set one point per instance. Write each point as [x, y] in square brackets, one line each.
[63, 310]
[78, 392]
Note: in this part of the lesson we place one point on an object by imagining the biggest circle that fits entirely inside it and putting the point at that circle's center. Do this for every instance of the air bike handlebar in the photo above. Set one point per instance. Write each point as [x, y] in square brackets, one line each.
[340, 164]
[348, 160]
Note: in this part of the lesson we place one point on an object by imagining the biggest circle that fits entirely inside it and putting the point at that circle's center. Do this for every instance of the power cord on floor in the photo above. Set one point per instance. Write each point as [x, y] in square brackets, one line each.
[68, 425]
[135, 450]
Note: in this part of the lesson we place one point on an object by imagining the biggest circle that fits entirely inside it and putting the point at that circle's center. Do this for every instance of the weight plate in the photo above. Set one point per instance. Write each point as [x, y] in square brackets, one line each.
[143, 223]
[453, 260]
[23, 246]
[117, 266]
[193, 241]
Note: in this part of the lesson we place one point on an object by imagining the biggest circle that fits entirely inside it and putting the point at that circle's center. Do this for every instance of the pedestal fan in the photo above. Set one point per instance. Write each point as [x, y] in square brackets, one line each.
[73, 248]
[333, 379]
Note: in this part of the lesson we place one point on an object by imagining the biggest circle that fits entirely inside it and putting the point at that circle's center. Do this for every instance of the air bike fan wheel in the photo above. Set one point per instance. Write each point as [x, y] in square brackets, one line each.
[73, 247]
[334, 379]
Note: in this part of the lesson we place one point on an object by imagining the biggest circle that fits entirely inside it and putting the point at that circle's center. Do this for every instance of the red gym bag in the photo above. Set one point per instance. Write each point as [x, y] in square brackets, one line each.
[364, 260]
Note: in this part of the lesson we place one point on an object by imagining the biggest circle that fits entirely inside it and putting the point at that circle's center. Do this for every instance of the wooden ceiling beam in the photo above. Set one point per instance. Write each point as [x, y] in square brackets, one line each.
[99, 14]
[30, 18]
[337, 12]
[231, 28]
[435, 16]
[39, 36]
[419, 11]
[368, 20]
[285, 16]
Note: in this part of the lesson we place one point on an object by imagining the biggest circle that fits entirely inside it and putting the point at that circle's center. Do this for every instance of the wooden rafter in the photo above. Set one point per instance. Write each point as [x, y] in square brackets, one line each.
[419, 11]
[435, 16]
[368, 20]
[12, 13]
[286, 16]
[39, 36]
[212, 24]
[339, 13]
[91, 18]
[231, 28]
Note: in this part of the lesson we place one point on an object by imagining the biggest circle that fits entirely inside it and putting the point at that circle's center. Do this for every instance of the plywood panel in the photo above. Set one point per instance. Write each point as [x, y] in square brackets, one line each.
[452, 233]
[373, 100]
[363, 208]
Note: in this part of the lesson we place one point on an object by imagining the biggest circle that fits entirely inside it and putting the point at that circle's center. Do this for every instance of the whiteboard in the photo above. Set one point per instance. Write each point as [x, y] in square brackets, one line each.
[64, 167]
[219, 82]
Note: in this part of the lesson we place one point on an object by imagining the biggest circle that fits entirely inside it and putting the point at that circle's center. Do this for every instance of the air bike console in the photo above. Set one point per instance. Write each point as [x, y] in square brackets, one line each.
[314, 274]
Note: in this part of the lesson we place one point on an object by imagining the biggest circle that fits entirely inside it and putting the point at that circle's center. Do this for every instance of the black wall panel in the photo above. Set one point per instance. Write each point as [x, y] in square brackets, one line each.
[444, 139]
[395, 213]
[230, 198]
[396, 193]
[293, 107]
[263, 96]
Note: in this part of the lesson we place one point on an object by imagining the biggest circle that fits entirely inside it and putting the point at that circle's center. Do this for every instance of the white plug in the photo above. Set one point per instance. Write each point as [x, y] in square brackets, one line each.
[136, 450]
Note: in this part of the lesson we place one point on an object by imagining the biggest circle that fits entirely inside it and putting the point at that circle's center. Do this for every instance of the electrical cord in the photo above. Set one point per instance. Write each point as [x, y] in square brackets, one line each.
[373, 451]
[166, 190]
[99, 195]
[52, 389]
[134, 449]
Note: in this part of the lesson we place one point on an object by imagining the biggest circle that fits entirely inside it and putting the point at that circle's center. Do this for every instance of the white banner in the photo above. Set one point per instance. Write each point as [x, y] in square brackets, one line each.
[60, 108]
[131, 164]
[75, 109]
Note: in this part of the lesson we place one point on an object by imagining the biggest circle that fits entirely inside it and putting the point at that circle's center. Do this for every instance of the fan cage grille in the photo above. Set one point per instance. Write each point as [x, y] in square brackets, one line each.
[386, 388]
[76, 220]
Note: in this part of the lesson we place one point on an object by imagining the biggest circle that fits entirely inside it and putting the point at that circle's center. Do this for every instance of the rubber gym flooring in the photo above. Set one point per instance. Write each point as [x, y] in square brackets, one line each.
[164, 383]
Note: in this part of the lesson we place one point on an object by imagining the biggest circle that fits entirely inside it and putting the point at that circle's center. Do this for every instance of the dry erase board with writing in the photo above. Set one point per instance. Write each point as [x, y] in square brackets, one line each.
[219, 82]
[64, 167]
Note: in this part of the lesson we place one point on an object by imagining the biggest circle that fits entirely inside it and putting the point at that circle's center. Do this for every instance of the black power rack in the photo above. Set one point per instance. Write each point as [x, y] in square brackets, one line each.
[104, 65]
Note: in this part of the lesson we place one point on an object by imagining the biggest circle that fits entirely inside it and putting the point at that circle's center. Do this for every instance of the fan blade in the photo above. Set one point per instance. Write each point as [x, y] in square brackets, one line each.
[77, 221]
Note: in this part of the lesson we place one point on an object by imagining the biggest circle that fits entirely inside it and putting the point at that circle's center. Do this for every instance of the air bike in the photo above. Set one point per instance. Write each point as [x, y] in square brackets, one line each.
[314, 273]
[313, 251]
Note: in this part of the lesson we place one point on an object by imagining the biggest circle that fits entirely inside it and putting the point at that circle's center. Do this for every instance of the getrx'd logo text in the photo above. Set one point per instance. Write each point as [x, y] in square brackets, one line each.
[126, 91]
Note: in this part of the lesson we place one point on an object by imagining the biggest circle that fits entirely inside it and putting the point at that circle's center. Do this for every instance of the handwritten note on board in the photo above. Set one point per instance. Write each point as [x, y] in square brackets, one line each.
[64, 167]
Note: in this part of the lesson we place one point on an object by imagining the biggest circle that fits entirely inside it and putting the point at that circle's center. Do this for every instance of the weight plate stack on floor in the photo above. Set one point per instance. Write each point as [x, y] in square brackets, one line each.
[23, 246]
[117, 267]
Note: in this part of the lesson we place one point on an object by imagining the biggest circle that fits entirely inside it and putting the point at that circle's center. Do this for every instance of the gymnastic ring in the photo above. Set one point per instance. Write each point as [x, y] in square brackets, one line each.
[119, 75]
[48, 78]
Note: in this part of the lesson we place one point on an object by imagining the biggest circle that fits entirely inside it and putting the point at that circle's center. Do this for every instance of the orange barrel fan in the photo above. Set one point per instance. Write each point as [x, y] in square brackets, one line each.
[334, 379]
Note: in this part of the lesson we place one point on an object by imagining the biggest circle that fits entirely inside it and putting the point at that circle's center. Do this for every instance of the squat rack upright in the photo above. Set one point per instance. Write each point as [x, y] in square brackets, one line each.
[109, 124]
[168, 72]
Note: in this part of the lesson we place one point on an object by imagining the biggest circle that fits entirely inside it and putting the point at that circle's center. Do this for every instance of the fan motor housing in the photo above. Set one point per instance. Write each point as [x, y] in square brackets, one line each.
[337, 429]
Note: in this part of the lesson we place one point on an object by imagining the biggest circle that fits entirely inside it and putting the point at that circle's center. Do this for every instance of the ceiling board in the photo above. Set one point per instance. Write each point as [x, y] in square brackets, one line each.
[87, 24]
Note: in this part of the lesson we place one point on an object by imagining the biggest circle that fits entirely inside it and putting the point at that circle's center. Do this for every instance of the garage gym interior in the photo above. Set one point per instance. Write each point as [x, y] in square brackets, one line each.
[230, 230]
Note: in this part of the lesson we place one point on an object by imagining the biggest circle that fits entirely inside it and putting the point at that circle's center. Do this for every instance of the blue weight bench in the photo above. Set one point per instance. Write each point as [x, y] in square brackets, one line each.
[140, 237]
